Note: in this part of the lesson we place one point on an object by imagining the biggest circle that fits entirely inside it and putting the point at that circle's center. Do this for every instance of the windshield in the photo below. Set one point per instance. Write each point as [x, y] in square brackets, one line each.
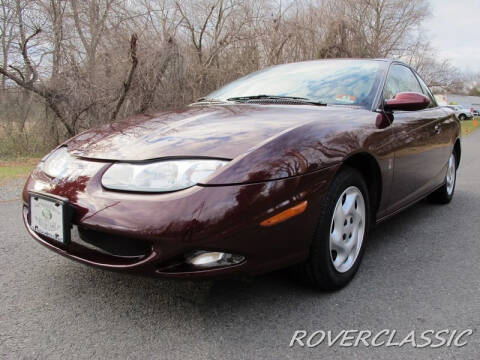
[333, 82]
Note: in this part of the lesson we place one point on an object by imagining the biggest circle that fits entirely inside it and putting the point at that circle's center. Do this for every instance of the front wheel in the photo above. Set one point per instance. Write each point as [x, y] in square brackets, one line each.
[445, 194]
[339, 242]
[462, 117]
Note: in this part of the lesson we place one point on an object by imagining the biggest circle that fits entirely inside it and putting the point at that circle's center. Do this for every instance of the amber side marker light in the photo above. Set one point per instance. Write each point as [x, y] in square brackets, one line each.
[286, 214]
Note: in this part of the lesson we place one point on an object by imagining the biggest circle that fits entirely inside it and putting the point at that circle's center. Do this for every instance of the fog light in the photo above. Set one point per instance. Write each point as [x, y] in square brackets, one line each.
[210, 259]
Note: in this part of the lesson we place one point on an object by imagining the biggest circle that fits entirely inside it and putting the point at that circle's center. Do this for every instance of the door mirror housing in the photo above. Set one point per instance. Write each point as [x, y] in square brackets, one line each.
[383, 120]
[407, 101]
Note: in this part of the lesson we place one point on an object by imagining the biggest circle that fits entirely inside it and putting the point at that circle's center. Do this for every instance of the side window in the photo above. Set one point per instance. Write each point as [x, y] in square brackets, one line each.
[427, 92]
[401, 79]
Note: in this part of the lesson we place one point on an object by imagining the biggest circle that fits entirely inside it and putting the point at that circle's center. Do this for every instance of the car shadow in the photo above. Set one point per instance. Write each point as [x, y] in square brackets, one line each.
[420, 214]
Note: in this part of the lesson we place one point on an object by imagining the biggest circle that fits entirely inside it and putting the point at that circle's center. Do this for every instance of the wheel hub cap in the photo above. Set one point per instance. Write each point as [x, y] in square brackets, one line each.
[347, 229]
[451, 173]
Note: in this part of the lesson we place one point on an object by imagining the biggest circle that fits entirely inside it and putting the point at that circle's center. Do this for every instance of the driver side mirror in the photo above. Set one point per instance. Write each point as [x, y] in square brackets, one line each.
[407, 101]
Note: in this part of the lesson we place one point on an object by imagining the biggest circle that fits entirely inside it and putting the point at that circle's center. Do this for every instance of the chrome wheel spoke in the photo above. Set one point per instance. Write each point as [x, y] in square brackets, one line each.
[339, 260]
[352, 243]
[351, 246]
[337, 243]
[349, 205]
[339, 216]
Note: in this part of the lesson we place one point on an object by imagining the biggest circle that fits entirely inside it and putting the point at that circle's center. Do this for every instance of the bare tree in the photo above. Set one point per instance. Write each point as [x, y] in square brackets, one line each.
[91, 27]
[438, 73]
[71, 57]
[58, 103]
[211, 27]
[7, 32]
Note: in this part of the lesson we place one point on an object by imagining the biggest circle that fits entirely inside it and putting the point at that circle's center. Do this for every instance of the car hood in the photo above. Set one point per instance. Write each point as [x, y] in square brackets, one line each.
[225, 131]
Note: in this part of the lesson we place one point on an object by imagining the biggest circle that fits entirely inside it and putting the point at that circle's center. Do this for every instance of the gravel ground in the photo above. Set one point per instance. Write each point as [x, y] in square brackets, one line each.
[11, 189]
[421, 271]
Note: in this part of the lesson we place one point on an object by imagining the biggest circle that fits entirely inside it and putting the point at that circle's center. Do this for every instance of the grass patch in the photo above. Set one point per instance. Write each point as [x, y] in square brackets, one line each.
[17, 169]
[470, 125]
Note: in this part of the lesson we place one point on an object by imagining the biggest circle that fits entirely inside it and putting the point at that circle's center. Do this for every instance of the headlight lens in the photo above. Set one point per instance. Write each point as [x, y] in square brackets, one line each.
[57, 163]
[161, 176]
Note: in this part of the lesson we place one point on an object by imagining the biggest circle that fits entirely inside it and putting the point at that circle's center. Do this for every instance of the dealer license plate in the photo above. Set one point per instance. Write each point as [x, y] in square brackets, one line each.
[47, 217]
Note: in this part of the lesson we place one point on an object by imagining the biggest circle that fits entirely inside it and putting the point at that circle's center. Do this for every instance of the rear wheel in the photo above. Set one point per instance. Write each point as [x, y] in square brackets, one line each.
[445, 194]
[339, 242]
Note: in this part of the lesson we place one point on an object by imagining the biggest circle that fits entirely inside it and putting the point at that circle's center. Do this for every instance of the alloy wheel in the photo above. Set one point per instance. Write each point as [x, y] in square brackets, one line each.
[451, 174]
[347, 229]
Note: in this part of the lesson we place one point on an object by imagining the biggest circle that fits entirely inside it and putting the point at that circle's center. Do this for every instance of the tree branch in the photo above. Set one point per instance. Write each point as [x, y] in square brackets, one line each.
[18, 71]
[128, 82]
[46, 94]
[26, 59]
[78, 25]
[161, 69]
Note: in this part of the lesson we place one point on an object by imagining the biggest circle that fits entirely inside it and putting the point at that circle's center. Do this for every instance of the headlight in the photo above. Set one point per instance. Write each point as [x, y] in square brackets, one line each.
[163, 176]
[57, 163]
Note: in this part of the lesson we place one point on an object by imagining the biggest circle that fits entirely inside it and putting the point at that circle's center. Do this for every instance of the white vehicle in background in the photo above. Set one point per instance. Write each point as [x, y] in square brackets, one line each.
[460, 112]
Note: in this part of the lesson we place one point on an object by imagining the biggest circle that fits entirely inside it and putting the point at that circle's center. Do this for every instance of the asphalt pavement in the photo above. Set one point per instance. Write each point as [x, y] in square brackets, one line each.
[421, 271]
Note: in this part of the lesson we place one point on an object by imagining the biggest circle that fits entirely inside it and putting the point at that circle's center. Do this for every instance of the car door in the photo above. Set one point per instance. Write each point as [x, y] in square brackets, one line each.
[419, 142]
[445, 133]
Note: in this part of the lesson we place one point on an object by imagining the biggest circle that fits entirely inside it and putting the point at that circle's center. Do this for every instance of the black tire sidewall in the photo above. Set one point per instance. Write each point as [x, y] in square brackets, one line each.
[322, 263]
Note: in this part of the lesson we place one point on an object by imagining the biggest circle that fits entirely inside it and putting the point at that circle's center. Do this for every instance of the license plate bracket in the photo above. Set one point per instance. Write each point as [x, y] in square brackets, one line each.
[50, 216]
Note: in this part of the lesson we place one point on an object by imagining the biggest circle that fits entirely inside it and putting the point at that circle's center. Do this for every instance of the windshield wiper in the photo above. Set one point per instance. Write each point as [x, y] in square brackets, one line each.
[301, 100]
[210, 100]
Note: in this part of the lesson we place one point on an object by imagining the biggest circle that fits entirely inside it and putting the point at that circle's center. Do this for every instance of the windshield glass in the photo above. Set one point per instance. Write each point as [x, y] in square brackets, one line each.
[333, 82]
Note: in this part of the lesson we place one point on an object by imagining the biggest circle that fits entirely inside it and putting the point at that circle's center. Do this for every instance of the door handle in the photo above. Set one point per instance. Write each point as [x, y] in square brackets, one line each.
[438, 129]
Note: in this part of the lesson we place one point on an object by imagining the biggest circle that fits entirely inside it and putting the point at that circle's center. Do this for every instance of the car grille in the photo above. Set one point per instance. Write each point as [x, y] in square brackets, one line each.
[112, 245]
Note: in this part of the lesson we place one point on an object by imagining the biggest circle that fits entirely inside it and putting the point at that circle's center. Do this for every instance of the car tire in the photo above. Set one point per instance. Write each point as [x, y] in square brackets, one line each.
[330, 265]
[462, 117]
[444, 195]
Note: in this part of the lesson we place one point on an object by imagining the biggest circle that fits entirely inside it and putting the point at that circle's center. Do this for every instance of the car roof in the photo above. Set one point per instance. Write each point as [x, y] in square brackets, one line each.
[383, 60]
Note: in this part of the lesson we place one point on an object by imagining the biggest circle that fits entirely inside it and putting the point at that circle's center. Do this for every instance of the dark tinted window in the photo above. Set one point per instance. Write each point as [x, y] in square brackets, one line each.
[401, 79]
[334, 82]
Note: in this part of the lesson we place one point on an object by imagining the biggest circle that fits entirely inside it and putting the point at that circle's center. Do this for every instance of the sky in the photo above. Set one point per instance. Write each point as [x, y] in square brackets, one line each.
[454, 30]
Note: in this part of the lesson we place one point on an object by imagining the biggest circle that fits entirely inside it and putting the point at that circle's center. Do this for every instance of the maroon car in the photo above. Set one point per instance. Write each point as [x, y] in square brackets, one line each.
[290, 165]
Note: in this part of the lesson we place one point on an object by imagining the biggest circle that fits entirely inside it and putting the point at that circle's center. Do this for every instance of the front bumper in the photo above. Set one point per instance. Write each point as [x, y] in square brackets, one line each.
[216, 218]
